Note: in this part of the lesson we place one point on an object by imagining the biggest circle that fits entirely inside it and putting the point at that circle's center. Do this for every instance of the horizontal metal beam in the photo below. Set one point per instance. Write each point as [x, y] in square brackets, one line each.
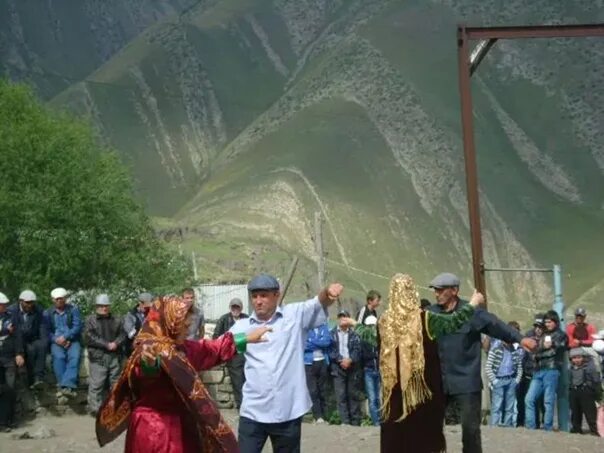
[535, 31]
[512, 269]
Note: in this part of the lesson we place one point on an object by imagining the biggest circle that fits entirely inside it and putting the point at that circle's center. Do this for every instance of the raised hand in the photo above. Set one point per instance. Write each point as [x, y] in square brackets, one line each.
[477, 299]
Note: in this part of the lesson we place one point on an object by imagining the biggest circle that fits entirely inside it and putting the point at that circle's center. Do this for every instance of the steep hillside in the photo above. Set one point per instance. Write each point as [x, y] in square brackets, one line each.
[242, 118]
[56, 43]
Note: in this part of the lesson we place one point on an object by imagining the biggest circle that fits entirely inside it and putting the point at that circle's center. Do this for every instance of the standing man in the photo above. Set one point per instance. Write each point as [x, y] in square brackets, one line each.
[460, 355]
[104, 336]
[236, 364]
[373, 300]
[549, 360]
[316, 364]
[580, 335]
[275, 396]
[11, 356]
[65, 329]
[133, 321]
[29, 319]
[197, 329]
[345, 358]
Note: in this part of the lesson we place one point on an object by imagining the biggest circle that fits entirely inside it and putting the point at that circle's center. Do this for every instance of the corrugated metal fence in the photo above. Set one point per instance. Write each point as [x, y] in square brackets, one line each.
[214, 299]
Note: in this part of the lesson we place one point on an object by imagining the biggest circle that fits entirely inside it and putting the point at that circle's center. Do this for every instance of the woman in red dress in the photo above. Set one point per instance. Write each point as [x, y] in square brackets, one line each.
[160, 397]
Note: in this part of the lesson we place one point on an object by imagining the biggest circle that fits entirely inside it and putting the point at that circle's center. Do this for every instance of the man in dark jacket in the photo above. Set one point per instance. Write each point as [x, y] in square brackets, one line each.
[133, 321]
[460, 355]
[237, 363]
[11, 356]
[528, 368]
[345, 358]
[104, 335]
[549, 360]
[29, 319]
[585, 390]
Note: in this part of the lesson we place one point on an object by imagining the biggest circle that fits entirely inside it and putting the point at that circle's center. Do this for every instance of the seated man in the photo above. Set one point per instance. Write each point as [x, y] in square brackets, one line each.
[65, 328]
[29, 319]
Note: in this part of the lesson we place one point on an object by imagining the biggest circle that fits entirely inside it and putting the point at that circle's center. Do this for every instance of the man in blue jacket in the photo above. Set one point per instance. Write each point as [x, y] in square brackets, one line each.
[65, 327]
[316, 364]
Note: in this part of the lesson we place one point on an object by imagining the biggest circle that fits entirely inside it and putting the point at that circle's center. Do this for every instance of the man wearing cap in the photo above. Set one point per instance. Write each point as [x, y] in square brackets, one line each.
[345, 357]
[584, 392]
[528, 368]
[460, 356]
[275, 395]
[104, 335]
[11, 356]
[133, 321]
[579, 332]
[29, 318]
[236, 364]
[65, 328]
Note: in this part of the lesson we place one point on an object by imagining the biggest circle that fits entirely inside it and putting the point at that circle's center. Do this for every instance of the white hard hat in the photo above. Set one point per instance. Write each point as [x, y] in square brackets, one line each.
[3, 299]
[28, 295]
[370, 320]
[59, 293]
[102, 299]
[598, 346]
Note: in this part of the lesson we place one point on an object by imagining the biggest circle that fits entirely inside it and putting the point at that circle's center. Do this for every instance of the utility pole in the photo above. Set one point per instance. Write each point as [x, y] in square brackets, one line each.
[319, 249]
[194, 267]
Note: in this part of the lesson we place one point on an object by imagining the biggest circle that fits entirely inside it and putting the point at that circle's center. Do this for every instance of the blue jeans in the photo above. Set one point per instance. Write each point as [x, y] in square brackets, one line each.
[544, 382]
[66, 364]
[372, 388]
[503, 403]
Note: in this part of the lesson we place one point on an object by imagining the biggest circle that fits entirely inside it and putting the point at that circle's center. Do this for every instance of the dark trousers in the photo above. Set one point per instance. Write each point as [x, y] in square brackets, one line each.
[8, 395]
[469, 406]
[317, 375]
[346, 384]
[235, 368]
[583, 402]
[285, 436]
[35, 360]
[521, 391]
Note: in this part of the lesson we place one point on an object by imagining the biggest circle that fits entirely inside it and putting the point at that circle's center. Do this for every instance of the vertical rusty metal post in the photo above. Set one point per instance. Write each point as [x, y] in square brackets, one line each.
[465, 91]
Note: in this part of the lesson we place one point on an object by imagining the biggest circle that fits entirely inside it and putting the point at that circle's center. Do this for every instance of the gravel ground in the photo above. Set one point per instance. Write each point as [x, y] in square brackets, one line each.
[76, 434]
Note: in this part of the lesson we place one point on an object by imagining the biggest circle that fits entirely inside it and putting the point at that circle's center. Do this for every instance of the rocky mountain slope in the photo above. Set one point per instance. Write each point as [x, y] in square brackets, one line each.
[242, 118]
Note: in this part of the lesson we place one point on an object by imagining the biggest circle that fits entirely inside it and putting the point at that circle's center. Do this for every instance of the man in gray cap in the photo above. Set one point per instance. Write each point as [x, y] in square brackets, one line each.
[29, 318]
[460, 355]
[275, 395]
[133, 321]
[104, 335]
[236, 364]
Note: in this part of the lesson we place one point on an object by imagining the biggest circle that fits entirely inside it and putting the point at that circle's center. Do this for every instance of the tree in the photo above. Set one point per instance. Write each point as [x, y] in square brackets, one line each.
[68, 216]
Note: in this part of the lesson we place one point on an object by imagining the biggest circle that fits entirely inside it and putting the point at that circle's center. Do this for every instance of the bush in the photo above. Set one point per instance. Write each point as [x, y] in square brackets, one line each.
[68, 216]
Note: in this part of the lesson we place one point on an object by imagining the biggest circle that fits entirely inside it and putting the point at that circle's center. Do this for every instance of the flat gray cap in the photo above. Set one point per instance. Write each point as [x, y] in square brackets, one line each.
[263, 282]
[445, 280]
[236, 302]
[146, 298]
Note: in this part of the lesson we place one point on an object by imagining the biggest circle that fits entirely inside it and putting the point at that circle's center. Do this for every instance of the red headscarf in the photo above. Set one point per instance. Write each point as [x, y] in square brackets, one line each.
[161, 330]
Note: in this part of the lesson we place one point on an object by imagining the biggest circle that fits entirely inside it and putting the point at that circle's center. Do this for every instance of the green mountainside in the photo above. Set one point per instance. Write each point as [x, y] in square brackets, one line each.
[242, 118]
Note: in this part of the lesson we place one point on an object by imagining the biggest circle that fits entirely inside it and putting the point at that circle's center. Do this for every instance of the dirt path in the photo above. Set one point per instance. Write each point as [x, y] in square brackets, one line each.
[76, 434]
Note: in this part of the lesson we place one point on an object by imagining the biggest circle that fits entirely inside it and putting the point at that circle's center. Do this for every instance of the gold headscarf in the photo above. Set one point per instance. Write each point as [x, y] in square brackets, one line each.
[400, 330]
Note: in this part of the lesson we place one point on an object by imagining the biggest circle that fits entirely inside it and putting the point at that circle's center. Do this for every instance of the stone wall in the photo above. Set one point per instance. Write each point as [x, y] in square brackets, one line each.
[32, 403]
